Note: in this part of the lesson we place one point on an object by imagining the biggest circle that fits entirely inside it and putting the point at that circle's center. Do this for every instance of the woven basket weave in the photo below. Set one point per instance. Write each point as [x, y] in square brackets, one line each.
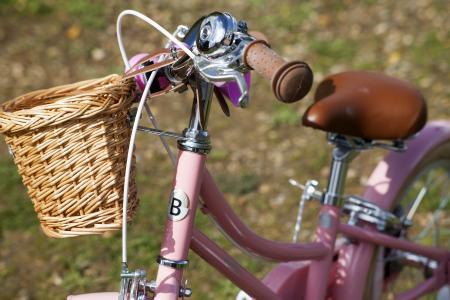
[70, 145]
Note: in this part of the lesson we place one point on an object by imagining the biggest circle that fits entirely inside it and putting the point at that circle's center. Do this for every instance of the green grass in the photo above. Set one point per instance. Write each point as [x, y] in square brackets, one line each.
[284, 115]
[16, 210]
[265, 135]
[26, 7]
[90, 14]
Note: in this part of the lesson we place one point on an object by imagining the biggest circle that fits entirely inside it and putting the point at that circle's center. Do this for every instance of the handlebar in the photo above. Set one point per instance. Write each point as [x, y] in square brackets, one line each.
[224, 51]
[290, 81]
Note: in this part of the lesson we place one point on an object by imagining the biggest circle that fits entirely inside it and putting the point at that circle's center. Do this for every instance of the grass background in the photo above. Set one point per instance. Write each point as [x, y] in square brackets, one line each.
[48, 42]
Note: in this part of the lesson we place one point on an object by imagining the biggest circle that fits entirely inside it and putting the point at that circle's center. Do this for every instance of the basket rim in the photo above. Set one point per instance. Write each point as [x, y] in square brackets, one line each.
[63, 103]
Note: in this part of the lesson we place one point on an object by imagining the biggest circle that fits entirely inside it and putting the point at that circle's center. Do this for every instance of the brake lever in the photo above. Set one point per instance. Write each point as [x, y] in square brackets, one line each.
[213, 71]
[222, 102]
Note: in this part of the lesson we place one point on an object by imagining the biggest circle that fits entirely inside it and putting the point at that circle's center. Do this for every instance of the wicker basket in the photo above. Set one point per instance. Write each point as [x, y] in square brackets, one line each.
[70, 145]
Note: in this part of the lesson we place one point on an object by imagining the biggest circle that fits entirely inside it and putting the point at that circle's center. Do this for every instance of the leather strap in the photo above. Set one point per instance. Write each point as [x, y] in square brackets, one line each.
[133, 72]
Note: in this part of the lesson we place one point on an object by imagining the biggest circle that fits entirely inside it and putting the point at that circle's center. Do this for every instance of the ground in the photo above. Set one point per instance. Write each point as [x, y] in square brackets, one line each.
[255, 151]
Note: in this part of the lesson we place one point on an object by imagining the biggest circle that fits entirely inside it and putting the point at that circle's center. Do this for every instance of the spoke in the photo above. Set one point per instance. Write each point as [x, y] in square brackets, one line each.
[416, 203]
[426, 230]
[426, 204]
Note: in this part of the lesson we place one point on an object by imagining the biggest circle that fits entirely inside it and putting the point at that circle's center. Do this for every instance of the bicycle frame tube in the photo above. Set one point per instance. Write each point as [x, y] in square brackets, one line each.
[178, 232]
[326, 235]
[382, 188]
[194, 179]
[225, 264]
[216, 206]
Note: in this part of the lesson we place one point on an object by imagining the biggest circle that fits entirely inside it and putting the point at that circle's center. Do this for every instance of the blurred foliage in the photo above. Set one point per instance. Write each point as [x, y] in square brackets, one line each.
[44, 43]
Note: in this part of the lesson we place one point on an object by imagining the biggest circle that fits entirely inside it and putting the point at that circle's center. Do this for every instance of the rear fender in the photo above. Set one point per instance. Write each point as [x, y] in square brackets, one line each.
[384, 184]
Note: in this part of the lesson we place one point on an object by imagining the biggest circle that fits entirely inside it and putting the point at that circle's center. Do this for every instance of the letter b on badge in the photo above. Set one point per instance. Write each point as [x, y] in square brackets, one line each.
[178, 206]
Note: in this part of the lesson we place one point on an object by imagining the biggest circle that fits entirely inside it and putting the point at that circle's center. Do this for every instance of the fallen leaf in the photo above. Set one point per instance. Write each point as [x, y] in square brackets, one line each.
[73, 32]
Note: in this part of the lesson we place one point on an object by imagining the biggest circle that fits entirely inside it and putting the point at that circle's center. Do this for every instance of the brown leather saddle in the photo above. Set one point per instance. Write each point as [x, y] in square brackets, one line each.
[367, 105]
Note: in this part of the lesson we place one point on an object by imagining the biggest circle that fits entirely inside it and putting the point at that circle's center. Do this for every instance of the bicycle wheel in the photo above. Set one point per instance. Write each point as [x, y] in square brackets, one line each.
[425, 200]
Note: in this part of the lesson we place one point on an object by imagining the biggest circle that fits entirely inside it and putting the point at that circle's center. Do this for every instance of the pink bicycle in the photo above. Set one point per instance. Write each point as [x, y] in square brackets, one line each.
[384, 232]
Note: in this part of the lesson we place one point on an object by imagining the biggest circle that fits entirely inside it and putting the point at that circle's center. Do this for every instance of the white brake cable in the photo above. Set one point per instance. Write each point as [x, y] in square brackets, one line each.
[128, 166]
[151, 23]
[144, 96]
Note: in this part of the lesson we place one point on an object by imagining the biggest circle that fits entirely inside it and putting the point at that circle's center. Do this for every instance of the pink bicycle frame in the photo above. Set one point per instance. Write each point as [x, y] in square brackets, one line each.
[313, 270]
[320, 252]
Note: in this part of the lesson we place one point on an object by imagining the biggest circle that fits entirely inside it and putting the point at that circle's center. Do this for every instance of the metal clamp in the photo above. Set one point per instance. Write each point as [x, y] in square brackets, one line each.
[174, 264]
[309, 192]
[184, 291]
[196, 141]
[357, 208]
[361, 209]
[133, 285]
[358, 143]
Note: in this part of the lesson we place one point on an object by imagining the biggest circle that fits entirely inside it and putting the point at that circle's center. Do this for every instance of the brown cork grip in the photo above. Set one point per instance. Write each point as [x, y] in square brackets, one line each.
[291, 81]
[259, 36]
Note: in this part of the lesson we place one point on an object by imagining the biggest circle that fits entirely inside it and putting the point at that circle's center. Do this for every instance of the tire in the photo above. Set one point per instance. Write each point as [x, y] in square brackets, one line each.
[430, 179]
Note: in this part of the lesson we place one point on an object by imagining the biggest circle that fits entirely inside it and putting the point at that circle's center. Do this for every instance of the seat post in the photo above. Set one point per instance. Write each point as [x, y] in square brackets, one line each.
[342, 155]
[329, 217]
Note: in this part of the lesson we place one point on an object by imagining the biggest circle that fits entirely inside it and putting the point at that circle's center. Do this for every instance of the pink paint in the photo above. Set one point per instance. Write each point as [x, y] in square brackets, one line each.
[226, 265]
[140, 79]
[349, 281]
[287, 279]
[177, 234]
[343, 279]
[95, 296]
[345, 286]
[383, 186]
[430, 285]
[326, 232]
[390, 175]
[374, 237]
[231, 89]
[217, 206]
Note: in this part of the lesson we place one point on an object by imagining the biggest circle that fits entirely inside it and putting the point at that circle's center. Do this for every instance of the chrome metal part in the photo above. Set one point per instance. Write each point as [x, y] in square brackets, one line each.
[216, 31]
[309, 189]
[160, 132]
[133, 285]
[223, 71]
[181, 70]
[174, 264]
[219, 46]
[360, 209]
[342, 155]
[179, 33]
[358, 143]
[413, 259]
[203, 94]
[185, 292]
[357, 208]
[196, 141]
[195, 137]
[151, 285]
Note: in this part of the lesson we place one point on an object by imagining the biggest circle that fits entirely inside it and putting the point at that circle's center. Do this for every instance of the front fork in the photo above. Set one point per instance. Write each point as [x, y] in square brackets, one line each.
[183, 201]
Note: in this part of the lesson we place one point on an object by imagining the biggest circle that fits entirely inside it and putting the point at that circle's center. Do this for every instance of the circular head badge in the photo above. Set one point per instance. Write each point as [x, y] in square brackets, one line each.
[178, 206]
